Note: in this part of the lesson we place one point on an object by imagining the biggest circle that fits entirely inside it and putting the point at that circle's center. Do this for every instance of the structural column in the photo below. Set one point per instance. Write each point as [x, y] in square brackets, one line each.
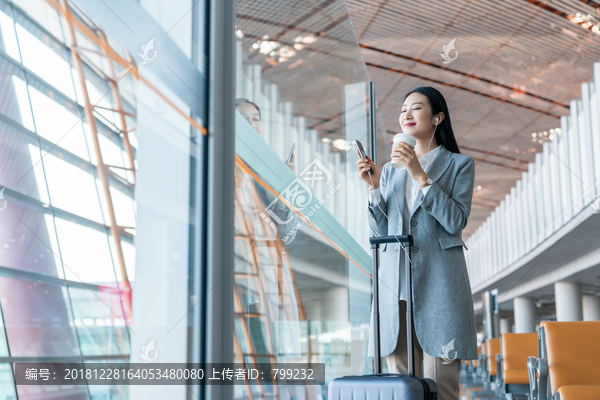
[591, 308]
[568, 301]
[524, 309]
[505, 326]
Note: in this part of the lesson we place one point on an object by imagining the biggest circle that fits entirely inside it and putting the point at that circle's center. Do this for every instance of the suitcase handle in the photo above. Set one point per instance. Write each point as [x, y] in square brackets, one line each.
[405, 241]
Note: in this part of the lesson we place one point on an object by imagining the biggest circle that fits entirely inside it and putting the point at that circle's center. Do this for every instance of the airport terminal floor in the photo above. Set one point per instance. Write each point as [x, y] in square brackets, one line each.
[186, 207]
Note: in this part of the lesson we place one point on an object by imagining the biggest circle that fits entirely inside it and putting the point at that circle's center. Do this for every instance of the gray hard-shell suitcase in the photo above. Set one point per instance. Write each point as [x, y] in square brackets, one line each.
[386, 386]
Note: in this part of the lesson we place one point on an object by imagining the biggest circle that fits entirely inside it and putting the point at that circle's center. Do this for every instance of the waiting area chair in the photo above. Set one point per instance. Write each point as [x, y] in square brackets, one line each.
[568, 362]
[492, 349]
[516, 348]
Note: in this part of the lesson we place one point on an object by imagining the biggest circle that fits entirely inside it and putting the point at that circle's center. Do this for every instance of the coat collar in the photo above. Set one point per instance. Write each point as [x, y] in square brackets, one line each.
[440, 165]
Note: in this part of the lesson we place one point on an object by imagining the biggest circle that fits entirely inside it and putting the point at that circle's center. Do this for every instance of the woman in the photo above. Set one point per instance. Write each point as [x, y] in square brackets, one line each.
[431, 200]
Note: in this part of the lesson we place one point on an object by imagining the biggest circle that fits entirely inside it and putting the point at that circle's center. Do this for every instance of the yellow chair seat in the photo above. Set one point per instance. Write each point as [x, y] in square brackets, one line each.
[579, 392]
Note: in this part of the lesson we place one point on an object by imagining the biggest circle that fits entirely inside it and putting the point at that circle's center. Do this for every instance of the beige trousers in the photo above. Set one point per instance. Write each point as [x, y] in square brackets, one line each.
[444, 375]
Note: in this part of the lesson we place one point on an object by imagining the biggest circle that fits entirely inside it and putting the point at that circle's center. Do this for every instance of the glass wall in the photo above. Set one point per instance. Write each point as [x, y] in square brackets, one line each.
[302, 285]
[63, 293]
[562, 184]
[80, 281]
[103, 191]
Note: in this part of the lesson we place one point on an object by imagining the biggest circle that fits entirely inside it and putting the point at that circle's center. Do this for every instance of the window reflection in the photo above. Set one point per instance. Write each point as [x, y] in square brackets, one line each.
[37, 319]
[302, 294]
[28, 240]
[100, 321]
[52, 228]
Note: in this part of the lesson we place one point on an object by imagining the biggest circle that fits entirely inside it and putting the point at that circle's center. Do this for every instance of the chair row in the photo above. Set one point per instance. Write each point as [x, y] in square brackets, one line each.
[559, 362]
[568, 362]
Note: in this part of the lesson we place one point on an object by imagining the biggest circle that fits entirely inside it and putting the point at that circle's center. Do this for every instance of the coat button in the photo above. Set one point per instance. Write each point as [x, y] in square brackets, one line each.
[414, 249]
[428, 209]
[413, 223]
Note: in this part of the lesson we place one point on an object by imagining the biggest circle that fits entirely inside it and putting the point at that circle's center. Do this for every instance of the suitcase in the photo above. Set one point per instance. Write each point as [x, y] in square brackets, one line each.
[386, 386]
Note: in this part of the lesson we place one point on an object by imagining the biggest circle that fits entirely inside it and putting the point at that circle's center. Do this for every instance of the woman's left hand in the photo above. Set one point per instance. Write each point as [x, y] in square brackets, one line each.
[409, 159]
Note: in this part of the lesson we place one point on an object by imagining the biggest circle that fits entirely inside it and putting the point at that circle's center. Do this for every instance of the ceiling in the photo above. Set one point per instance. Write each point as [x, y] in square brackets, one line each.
[519, 64]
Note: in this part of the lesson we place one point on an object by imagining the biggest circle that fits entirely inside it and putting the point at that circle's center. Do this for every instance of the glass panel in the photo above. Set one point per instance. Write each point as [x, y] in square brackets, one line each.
[8, 38]
[301, 287]
[28, 239]
[45, 57]
[12, 83]
[85, 253]
[531, 207]
[21, 168]
[100, 321]
[106, 392]
[539, 196]
[37, 317]
[80, 198]
[547, 192]
[7, 384]
[43, 14]
[3, 345]
[583, 154]
[574, 164]
[58, 121]
[565, 176]
[595, 124]
[124, 208]
[112, 155]
[51, 392]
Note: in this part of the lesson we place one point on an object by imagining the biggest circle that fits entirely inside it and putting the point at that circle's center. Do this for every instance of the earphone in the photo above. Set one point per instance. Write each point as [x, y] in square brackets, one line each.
[436, 124]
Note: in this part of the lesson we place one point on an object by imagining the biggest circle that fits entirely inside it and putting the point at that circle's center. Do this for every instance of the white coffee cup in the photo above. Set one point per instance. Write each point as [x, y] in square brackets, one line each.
[406, 138]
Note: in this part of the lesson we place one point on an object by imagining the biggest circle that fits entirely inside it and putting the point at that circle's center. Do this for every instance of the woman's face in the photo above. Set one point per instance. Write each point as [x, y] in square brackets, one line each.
[251, 114]
[416, 117]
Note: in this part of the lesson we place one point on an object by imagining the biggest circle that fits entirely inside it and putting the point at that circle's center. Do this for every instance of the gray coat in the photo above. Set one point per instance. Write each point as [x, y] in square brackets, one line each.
[442, 298]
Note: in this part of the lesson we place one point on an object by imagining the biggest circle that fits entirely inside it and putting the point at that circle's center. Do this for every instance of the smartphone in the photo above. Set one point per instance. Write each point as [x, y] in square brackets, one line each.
[289, 159]
[361, 150]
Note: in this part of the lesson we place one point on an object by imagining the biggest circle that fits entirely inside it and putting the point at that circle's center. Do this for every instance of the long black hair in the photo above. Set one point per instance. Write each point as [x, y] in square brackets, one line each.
[443, 134]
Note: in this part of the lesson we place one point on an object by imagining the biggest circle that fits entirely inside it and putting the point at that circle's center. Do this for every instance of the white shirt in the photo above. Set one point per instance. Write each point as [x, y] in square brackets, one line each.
[411, 192]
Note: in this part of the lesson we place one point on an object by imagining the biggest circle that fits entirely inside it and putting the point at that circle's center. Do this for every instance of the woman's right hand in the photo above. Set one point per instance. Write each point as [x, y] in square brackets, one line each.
[365, 165]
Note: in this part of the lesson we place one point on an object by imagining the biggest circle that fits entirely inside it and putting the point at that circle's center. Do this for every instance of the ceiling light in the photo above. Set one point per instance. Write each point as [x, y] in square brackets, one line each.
[308, 39]
[326, 140]
[268, 47]
[287, 52]
[479, 187]
[341, 144]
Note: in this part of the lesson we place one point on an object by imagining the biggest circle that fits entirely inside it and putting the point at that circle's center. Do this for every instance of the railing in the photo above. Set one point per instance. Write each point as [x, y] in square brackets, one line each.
[563, 181]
